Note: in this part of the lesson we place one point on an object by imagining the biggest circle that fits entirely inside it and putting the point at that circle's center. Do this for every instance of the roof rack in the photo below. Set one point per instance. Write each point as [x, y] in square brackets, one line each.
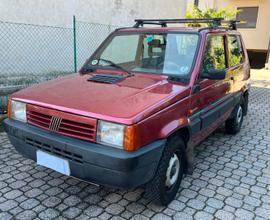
[233, 23]
[163, 22]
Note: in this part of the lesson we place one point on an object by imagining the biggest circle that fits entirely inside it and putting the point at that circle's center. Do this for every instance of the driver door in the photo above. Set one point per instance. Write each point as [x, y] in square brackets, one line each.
[212, 93]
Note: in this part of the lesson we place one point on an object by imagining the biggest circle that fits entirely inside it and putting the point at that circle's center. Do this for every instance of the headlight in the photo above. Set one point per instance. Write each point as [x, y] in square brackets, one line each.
[111, 134]
[17, 110]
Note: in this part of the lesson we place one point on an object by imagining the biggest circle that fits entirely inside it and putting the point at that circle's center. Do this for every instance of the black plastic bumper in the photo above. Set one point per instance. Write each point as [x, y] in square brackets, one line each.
[89, 161]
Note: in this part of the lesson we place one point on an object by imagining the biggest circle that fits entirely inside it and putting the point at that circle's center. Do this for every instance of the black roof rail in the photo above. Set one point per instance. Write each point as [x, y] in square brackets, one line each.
[232, 24]
[217, 22]
[163, 22]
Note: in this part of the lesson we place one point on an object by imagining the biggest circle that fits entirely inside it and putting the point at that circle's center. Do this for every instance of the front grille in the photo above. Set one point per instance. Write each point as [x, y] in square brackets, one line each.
[67, 124]
[55, 150]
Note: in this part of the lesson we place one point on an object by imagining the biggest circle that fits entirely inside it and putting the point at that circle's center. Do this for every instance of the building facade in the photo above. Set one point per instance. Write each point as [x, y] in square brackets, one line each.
[111, 12]
[256, 30]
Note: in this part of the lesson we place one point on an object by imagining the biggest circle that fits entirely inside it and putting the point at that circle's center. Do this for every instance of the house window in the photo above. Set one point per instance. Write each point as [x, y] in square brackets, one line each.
[249, 15]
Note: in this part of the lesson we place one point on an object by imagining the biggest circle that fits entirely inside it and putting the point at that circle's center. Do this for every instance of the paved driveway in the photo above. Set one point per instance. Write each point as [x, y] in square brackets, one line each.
[231, 180]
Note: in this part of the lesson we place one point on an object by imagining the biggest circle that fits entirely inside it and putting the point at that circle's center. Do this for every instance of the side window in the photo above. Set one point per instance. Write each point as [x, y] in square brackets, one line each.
[236, 53]
[214, 57]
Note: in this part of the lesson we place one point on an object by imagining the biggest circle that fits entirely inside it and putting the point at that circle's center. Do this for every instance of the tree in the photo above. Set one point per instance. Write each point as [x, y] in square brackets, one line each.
[227, 13]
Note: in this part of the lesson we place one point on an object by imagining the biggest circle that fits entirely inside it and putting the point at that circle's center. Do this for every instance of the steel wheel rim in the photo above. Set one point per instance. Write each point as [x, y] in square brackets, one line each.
[172, 172]
[239, 115]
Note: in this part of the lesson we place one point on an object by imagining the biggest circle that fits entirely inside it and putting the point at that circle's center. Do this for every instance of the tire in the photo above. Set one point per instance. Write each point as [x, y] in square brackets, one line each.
[162, 190]
[233, 125]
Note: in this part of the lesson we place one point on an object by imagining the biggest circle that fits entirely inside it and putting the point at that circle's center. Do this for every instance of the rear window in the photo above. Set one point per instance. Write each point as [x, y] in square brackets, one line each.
[236, 53]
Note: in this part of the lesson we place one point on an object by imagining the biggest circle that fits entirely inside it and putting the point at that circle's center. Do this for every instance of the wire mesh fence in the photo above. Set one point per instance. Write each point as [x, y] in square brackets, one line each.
[89, 36]
[32, 54]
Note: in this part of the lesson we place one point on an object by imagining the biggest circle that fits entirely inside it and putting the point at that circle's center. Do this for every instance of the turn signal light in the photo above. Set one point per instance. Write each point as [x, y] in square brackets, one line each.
[132, 138]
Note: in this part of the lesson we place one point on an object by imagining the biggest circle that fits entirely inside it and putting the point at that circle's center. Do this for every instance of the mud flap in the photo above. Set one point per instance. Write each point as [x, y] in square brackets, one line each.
[190, 158]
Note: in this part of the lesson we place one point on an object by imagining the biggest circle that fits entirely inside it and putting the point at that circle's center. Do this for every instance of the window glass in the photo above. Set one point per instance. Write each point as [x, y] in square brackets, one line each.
[122, 49]
[236, 53]
[249, 15]
[180, 51]
[214, 57]
[171, 54]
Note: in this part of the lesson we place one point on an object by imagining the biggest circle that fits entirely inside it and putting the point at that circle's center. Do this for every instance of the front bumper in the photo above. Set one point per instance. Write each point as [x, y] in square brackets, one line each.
[89, 161]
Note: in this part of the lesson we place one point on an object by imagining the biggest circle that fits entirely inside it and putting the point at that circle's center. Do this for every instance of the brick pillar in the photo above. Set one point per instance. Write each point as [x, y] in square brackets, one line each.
[267, 65]
[196, 2]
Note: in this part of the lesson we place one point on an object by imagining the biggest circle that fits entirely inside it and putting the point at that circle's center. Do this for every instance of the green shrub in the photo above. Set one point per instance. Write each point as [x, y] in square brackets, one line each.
[227, 13]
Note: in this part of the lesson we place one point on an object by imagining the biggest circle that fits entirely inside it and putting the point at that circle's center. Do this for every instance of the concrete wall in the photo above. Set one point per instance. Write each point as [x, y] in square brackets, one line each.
[267, 65]
[116, 12]
[36, 49]
[33, 49]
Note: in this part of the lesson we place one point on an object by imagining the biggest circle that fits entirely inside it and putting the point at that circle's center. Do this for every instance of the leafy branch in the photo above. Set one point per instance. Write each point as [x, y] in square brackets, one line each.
[227, 13]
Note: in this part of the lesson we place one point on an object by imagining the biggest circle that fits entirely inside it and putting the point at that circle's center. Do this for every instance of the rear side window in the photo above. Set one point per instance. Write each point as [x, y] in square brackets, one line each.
[214, 57]
[236, 53]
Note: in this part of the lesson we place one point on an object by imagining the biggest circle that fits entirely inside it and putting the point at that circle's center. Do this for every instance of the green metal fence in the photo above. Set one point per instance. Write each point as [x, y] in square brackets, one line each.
[32, 54]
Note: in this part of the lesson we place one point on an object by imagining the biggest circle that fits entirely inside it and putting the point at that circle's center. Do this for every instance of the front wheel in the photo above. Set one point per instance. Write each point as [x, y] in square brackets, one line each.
[233, 125]
[166, 182]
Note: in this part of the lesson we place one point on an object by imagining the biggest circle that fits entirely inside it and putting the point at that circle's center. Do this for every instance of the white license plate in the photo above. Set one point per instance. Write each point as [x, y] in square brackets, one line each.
[55, 163]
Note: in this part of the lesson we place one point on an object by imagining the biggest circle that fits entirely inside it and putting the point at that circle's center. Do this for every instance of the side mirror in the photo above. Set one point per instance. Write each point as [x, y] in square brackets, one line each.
[214, 74]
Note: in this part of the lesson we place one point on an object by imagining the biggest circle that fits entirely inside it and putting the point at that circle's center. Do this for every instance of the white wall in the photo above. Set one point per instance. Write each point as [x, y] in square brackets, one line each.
[32, 49]
[116, 12]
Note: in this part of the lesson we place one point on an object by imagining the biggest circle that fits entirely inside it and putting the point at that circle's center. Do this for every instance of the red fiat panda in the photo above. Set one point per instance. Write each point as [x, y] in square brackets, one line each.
[138, 106]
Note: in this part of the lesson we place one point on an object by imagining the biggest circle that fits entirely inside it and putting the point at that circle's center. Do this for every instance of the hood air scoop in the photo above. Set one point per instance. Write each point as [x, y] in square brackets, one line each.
[106, 78]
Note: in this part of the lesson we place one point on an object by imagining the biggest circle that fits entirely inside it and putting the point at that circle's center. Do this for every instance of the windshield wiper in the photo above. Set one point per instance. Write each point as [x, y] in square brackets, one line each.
[87, 68]
[178, 79]
[116, 66]
[93, 68]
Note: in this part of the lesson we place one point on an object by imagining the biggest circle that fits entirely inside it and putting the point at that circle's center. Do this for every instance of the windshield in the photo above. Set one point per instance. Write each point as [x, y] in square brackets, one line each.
[170, 54]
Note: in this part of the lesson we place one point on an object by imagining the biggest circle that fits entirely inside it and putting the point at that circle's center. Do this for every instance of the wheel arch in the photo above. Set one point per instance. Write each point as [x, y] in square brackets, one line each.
[183, 132]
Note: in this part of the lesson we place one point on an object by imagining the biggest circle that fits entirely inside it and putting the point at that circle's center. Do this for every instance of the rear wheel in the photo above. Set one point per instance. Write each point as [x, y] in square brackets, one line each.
[233, 125]
[165, 184]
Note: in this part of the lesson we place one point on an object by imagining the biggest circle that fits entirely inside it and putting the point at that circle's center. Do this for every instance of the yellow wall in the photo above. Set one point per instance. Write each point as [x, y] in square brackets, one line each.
[257, 38]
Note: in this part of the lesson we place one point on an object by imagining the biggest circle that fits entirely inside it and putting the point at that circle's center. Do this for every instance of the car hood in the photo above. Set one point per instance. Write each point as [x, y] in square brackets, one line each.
[128, 101]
